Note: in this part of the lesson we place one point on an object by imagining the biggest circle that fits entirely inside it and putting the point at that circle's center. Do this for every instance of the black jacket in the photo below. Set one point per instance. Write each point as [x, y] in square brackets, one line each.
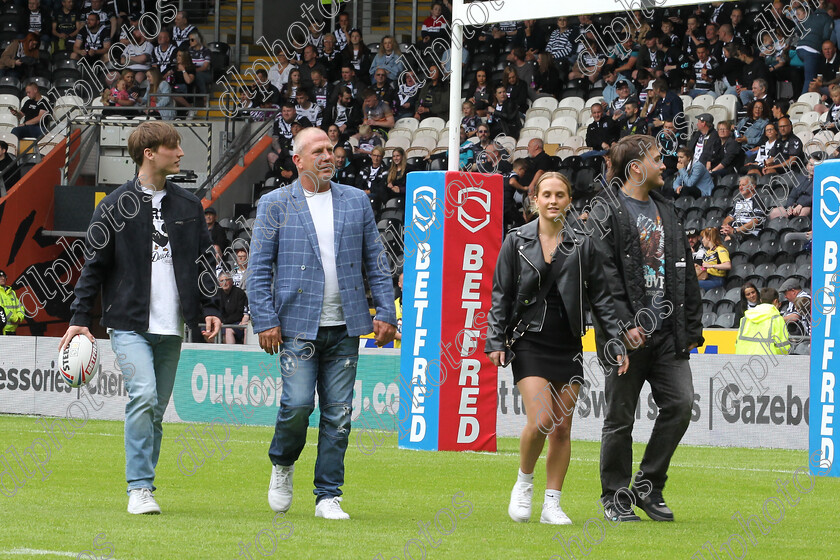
[354, 117]
[218, 236]
[435, 98]
[516, 284]
[345, 176]
[122, 267]
[732, 155]
[617, 239]
[598, 132]
[753, 71]
[376, 183]
[234, 305]
[639, 126]
[712, 148]
[505, 120]
[802, 193]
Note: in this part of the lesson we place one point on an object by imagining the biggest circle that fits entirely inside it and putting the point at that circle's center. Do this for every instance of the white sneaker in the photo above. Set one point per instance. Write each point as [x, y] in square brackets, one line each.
[140, 501]
[330, 508]
[520, 502]
[553, 514]
[280, 488]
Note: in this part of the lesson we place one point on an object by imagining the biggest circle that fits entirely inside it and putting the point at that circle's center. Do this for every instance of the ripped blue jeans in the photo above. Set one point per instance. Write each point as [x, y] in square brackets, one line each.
[328, 365]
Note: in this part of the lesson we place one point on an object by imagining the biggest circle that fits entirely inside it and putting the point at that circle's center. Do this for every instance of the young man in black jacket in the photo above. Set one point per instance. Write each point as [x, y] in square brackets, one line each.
[145, 248]
[658, 298]
[705, 143]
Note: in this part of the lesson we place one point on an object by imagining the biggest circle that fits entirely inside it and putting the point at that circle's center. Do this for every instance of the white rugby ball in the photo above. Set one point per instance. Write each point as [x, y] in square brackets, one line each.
[79, 361]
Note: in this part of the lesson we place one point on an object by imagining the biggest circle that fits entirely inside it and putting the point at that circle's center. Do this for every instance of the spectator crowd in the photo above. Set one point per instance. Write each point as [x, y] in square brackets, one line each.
[735, 94]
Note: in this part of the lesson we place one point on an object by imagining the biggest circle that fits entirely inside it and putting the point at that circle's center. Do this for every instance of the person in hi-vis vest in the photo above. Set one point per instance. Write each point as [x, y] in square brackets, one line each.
[762, 329]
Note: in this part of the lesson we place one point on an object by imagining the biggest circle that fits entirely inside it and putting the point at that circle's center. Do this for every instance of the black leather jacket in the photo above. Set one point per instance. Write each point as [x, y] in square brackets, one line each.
[617, 239]
[516, 284]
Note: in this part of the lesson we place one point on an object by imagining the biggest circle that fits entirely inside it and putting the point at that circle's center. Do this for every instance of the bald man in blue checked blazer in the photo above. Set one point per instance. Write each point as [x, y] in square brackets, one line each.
[310, 244]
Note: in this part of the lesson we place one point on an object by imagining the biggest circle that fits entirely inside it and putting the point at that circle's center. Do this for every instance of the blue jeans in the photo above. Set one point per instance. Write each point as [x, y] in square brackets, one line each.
[328, 365]
[28, 131]
[812, 64]
[711, 282]
[593, 153]
[698, 92]
[148, 363]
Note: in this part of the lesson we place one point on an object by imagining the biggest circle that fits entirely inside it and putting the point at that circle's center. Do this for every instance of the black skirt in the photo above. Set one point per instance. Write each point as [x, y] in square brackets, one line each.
[551, 352]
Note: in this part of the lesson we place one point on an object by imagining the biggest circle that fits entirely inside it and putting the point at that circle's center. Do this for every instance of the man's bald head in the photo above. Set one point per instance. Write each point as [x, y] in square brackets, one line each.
[313, 157]
[306, 137]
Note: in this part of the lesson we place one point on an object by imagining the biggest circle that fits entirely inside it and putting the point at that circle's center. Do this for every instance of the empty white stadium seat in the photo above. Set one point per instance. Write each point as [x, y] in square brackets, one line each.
[704, 101]
[409, 123]
[811, 98]
[547, 102]
[576, 102]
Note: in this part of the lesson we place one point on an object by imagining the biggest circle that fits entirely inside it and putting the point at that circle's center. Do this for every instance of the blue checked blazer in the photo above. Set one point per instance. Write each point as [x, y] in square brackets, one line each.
[285, 253]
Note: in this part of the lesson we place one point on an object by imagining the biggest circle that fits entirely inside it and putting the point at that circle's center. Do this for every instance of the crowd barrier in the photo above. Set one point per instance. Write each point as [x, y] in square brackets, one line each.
[742, 401]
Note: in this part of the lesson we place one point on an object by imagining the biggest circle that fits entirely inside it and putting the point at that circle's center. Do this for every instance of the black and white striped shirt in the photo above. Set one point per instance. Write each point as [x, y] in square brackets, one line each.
[94, 40]
[180, 36]
[559, 43]
[341, 39]
[164, 60]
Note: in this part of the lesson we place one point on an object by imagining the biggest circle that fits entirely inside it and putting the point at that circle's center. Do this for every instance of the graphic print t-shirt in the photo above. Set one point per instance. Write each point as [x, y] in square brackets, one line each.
[164, 307]
[645, 216]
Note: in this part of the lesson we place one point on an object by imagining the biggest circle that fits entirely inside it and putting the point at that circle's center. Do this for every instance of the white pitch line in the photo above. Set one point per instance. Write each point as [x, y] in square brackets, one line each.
[40, 552]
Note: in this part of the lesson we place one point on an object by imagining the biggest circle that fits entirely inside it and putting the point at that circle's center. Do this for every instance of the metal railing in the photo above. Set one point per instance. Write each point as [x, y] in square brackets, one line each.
[219, 338]
[88, 145]
[22, 158]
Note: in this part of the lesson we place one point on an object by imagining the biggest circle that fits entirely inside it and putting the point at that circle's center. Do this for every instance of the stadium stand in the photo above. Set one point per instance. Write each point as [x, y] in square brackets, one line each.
[558, 114]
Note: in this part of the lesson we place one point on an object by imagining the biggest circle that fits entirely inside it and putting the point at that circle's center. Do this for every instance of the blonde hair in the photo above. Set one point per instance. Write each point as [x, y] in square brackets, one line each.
[553, 175]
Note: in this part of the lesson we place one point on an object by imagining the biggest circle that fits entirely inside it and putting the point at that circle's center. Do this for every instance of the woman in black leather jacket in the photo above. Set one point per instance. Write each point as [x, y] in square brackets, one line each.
[548, 367]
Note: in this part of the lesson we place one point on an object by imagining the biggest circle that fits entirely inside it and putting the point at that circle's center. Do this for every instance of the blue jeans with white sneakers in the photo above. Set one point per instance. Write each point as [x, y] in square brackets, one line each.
[328, 365]
[148, 363]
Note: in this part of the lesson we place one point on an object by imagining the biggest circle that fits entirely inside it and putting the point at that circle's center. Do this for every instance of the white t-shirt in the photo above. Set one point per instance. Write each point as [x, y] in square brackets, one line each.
[698, 148]
[164, 306]
[146, 48]
[277, 77]
[321, 208]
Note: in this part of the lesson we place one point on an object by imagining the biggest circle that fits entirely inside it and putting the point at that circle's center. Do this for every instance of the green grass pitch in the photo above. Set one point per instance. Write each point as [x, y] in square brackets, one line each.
[394, 498]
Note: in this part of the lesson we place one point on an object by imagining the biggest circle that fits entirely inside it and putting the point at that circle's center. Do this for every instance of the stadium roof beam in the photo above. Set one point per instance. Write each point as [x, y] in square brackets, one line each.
[495, 11]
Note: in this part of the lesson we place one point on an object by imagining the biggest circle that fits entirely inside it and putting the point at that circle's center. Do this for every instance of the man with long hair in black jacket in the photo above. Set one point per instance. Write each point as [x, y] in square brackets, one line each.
[658, 298]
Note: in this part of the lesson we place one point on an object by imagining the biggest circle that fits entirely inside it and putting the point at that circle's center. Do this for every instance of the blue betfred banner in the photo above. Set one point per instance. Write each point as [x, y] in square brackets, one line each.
[422, 291]
[824, 436]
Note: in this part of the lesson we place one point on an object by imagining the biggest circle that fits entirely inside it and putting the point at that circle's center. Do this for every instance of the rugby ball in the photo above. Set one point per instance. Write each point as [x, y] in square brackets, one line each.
[78, 361]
